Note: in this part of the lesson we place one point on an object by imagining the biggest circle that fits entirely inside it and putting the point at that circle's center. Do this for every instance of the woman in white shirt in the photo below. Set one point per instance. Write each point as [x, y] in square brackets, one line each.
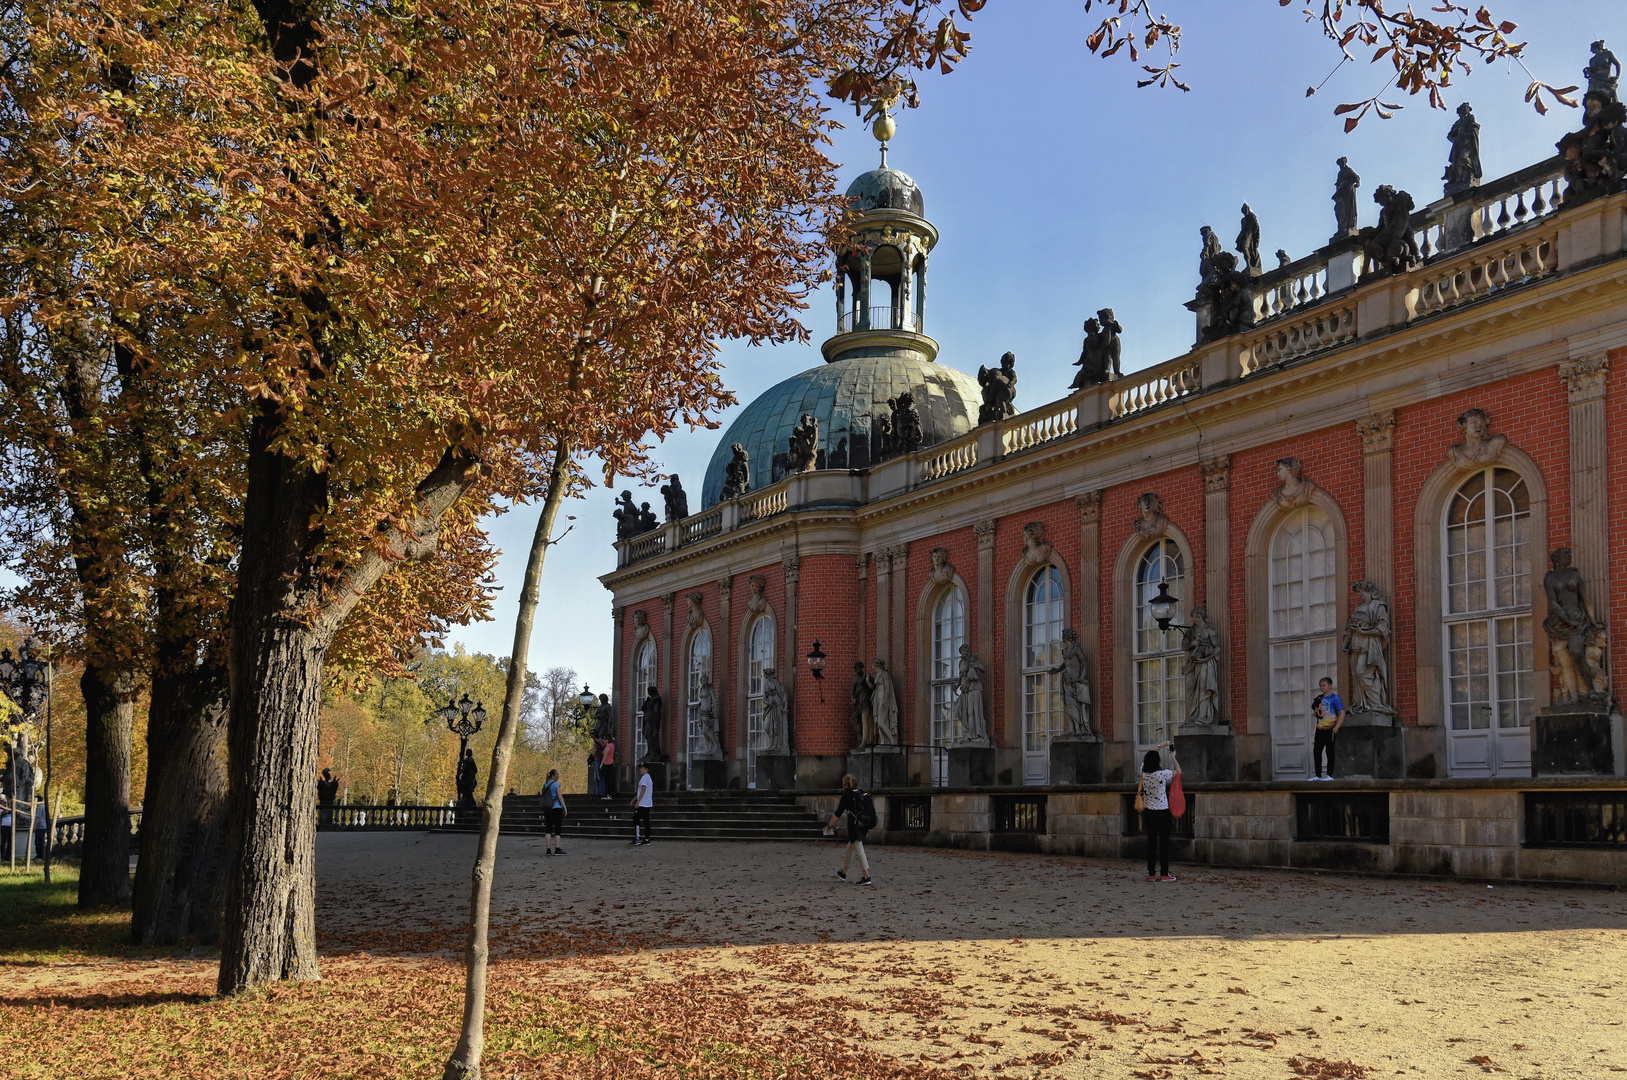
[1155, 817]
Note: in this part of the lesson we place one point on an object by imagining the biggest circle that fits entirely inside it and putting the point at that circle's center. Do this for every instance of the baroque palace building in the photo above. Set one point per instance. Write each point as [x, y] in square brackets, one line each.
[1360, 471]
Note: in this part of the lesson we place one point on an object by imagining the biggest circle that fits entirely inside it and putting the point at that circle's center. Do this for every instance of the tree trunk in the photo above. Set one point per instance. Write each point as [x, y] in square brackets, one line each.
[464, 1064]
[183, 810]
[104, 873]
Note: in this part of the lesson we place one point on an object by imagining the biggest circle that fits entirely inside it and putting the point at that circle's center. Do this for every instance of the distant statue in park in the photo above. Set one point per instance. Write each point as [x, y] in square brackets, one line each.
[737, 473]
[804, 448]
[906, 424]
[1479, 447]
[626, 516]
[1367, 642]
[1572, 634]
[650, 717]
[1601, 72]
[1075, 672]
[1344, 200]
[859, 715]
[883, 704]
[1099, 359]
[1248, 242]
[1202, 645]
[1206, 256]
[999, 390]
[707, 746]
[969, 726]
[776, 731]
[467, 774]
[604, 718]
[327, 789]
[677, 499]
[1463, 161]
[1389, 246]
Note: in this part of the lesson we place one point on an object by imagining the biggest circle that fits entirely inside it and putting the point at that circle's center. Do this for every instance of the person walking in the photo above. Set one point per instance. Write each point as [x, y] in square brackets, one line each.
[1329, 711]
[643, 800]
[607, 769]
[553, 813]
[1156, 819]
[860, 811]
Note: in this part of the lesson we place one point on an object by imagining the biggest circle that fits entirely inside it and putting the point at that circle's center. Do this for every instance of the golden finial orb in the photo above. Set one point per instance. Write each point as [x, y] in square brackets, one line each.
[884, 128]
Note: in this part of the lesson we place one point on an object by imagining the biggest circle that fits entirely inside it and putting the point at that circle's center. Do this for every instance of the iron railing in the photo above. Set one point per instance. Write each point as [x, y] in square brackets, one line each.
[370, 817]
[909, 813]
[1347, 816]
[1018, 813]
[881, 318]
[1573, 819]
[1184, 826]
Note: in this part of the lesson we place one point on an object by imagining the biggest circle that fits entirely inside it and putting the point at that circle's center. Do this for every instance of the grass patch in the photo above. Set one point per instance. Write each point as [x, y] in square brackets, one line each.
[42, 923]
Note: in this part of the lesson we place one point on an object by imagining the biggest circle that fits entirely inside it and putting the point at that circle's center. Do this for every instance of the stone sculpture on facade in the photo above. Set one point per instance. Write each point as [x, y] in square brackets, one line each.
[1367, 642]
[1099, 358]
[776, 733]
[1573, 635]
[968, 726]
[737, 473]
[1390, 247]
[604, 719]
[757, 602]
[1463, 162]
[1601, 72]
[1202, 645]
[626, 515]
[1248, 241]
[1344, 200]
[906, 424]
[1228, 294]
[707, 747]
[1479, 446]
[999, 390]
[1075, 672]
[1596, 157]
[1206, 257]
[883, 705]
[647, 521]
[650, 717]
[942, 572]
[1293, 490]
[804, 449]
[1150, 520]
[677, 499]
[858, 696]
[1036, 545]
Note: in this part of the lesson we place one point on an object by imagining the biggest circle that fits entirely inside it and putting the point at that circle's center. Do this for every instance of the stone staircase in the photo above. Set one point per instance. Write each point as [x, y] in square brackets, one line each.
[677, 815]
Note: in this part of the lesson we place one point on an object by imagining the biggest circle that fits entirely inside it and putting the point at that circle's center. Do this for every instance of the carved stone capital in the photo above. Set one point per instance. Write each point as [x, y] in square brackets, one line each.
[861, 564]
[1217, 473]
[984, 531]
[1584, 379]
[667, 600]
[619, 615]
[792, 565]
[1377, 432]
[725, 585]
[900, 557]
[696, 617]
[1090, 507]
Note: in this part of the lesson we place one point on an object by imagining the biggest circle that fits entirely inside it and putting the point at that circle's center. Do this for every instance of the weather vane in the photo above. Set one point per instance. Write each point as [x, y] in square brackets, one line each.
[883, 103]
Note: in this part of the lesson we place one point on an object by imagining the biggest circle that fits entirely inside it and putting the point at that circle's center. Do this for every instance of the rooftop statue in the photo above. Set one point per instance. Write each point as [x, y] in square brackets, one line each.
[647, 521]
[1390, 246]
[881, 427]
[1206, 257]
[906, 424]
[1463, 162]
[1248, 241]
[676, 498]
[1099, 359]
[737, 474]
[1602, 71]
[626, 515]
[999, 390]
[804, 451]
[1344, 200]
[1229, 294]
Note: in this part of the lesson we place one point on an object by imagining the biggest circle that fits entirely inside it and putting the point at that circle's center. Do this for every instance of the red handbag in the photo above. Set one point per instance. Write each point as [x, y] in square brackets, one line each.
[1177, 797]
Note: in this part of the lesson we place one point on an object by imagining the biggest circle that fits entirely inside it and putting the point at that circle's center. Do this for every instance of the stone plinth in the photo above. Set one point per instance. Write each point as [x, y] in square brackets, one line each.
[1572, 740]
[882, 767]
[1369, 746]
[776, 772]
[1078, 760]
[1207, 753]
[971, 766]
[708, 774]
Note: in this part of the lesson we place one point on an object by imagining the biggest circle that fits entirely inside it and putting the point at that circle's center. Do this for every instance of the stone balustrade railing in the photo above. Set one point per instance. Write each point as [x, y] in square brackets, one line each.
[1503, 234]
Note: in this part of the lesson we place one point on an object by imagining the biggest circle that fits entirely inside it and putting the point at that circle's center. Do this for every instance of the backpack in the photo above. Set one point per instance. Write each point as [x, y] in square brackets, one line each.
[866, 817]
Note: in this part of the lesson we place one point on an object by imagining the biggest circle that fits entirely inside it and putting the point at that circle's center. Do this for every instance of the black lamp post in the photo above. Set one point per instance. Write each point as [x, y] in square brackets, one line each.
[463, 718]
[587, 700]
[816, 664]
[1163, 610]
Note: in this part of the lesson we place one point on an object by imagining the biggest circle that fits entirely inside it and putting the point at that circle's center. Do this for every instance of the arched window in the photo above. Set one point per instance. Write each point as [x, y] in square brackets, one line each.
[1487, 624]
[643, 678]
[1042, 688]
[948, 635]
[1160, 690]
[700, 665]
[1303, 628]
[760, 657]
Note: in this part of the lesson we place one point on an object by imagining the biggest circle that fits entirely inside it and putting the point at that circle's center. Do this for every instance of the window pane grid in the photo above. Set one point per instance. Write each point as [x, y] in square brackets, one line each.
[1042, 650]
[1159, 684]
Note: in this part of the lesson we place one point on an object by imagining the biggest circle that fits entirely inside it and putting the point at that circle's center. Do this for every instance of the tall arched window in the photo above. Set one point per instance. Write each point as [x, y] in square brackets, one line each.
[1160, 690]
[1303, 628]
[643, 678]
[700, 664]
[1042, 687]
[948, 635]
[1487, 624]
[760, 657]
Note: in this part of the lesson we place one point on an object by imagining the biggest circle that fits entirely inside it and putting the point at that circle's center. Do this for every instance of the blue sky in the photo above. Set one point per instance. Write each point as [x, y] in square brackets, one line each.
[1058, 188]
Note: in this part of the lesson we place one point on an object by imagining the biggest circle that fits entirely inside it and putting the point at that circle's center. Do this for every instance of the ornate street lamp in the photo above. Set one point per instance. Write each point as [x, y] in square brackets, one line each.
[463, 719]
[816, 664]
[1163, 610]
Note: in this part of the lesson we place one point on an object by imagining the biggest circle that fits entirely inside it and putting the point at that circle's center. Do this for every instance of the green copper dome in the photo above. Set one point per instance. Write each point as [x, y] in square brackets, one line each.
[844, 396]
[886, 189]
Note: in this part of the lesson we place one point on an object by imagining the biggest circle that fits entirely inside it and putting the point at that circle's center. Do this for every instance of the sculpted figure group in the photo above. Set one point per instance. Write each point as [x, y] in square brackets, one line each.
[999, 390]
[874, 705]
[1099, 359]
[1596, 157]
[1576, 640]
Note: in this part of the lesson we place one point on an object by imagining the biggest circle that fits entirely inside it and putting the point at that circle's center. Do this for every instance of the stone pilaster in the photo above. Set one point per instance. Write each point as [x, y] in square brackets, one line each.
[722, 654]
[861, 569]
[792, 566]
[1378, 500]
[1090, 585]
[666, 676]
[884, 604]
[984, 531]
[618, 671]
[1584, 381]
[1217, 531]
[898, 663]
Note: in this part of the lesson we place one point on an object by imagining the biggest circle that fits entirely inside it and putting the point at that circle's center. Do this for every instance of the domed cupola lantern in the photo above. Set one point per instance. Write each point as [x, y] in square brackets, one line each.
[881, 273]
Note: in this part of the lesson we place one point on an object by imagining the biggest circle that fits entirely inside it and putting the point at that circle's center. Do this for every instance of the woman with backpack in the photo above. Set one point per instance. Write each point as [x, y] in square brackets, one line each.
[1156, 818]
[860, 811]
[553, 813]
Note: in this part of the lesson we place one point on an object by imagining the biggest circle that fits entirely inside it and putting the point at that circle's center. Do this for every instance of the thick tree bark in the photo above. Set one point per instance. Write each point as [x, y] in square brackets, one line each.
[104, 872]
[183, 811]
[464, 1064]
